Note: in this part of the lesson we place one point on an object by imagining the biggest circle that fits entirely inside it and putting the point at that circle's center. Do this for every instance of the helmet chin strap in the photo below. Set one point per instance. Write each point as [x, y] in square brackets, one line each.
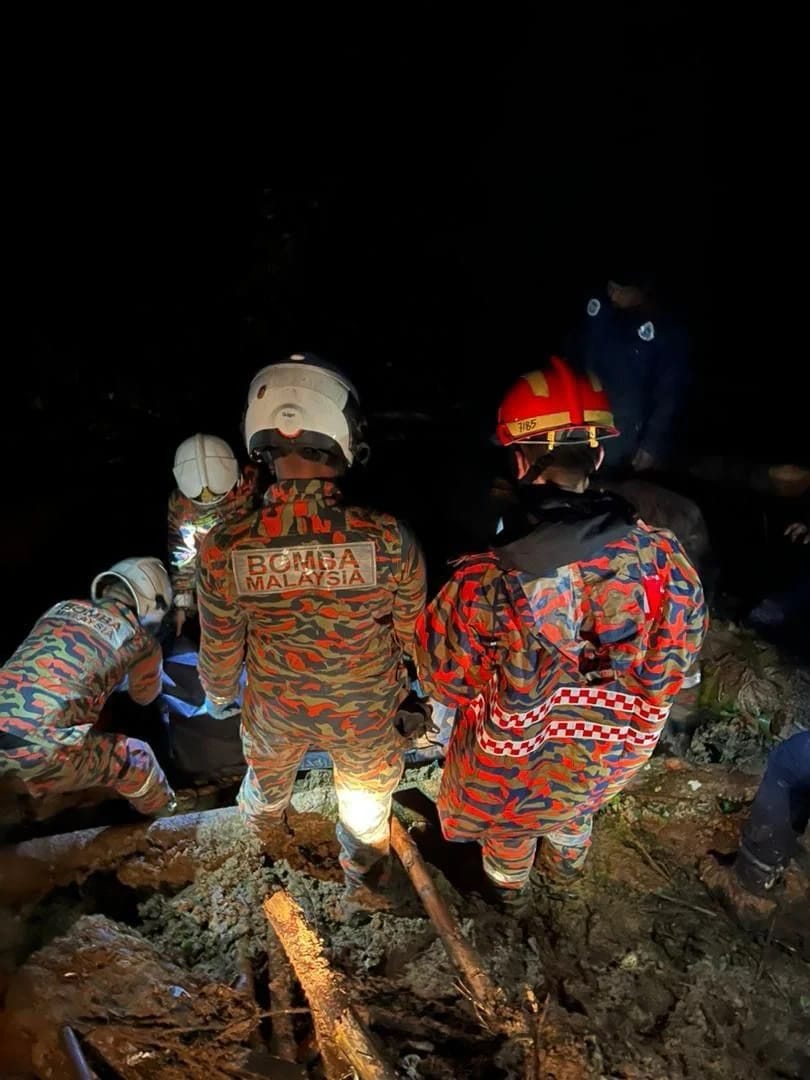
[215, 501]
[121, 593]
[533, 472]
[547, 461]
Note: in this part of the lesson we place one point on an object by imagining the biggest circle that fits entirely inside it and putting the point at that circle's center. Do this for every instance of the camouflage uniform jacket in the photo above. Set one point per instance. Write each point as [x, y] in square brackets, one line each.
[53, 687]
[324, 598]
[190, 522]
[544, 648]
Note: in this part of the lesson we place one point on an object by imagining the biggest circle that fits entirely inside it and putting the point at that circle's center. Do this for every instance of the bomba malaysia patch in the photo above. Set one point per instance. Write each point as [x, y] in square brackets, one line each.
[261, 571]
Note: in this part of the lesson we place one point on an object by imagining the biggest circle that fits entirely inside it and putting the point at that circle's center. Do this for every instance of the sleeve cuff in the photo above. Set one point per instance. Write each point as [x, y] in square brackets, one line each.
[220, 699]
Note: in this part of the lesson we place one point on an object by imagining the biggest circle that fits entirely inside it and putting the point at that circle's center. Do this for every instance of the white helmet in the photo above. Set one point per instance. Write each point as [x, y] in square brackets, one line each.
[146, 579]
[205, 464]
[304, 403]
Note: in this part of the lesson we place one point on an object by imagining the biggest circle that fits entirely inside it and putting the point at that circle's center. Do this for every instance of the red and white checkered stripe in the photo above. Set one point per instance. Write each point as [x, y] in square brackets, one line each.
[630, 705]
[591, 697]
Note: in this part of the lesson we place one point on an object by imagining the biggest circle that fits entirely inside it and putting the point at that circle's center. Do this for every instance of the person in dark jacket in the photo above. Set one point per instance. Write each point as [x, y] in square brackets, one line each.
[771, 836]
[641, 355]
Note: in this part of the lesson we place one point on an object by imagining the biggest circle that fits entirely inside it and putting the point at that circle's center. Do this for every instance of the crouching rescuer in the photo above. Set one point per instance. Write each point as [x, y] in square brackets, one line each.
[53, 688]
[209, 489]
[562, 646]
[322, 600]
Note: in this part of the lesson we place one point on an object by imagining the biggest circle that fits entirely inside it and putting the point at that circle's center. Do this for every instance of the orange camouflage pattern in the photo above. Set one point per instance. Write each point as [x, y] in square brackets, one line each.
[321, 601]
[563, 684]
[190, 523]
[52, 690]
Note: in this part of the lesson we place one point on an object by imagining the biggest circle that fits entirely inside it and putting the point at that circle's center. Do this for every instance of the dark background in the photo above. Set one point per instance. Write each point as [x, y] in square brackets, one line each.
[425, 197]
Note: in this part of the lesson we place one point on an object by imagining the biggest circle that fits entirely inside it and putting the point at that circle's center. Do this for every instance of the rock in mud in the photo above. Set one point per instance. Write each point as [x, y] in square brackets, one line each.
[144, 1016]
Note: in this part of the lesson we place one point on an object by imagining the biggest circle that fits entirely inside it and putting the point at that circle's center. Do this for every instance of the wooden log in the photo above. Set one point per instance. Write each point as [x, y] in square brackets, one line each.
[486, 995]
[144, 855]
[341, 1037]
[31, 869]
[279, 982]
[245, 984]
[418, 1027]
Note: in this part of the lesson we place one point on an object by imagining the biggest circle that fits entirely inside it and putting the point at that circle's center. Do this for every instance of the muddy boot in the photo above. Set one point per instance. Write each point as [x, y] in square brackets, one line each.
[743, 893]
[552, 880]
[359, 902]
[378, 890]
[558, 868]
[516, 903]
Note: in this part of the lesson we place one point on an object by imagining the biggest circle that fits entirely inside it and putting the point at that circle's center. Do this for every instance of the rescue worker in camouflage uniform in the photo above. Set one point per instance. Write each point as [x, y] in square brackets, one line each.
[322, 598]
[562, 646]
[53, 688]
[209, 489]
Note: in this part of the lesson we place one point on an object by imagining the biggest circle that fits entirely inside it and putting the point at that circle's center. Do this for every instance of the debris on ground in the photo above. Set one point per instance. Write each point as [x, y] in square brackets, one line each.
[139, 1013]
[637, 969]
[750, 697]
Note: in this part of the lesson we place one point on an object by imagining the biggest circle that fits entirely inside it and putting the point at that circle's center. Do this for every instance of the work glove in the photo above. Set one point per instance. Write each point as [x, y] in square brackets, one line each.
[414, 717]
[443, 717]
[221, 712]
[798, 533]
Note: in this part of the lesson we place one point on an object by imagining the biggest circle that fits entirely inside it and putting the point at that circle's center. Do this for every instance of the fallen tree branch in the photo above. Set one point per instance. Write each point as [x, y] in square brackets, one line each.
[418, 1027]
[245, 984]
[35, 867]
[686, 904]
[303, 1011]
[341, 1036]
[633, 842]
[147, 854]
[538, 1022]
[487, 997]
[279, 983]
[765, 944]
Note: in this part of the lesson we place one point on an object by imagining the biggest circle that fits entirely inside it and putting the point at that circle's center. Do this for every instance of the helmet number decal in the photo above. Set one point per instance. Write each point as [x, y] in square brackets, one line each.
[265, 571]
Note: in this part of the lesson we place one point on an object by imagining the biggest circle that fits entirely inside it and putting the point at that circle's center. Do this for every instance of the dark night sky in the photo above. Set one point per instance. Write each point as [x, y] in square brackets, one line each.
[424, 191]
[419, 195]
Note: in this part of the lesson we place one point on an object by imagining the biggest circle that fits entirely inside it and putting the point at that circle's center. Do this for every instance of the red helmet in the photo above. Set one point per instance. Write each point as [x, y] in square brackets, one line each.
[556, 399]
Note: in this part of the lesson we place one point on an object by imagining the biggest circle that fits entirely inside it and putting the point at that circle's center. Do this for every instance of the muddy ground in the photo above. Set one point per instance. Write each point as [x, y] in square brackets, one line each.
[639, 970]
[647, 975]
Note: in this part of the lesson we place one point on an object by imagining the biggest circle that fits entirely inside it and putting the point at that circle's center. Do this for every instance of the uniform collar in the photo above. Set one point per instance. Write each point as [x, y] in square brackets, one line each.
[314, 492]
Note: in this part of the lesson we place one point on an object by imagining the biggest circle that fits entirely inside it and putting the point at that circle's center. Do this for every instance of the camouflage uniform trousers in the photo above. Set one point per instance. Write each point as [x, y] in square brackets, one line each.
[508, 805]
[508, 858]
[368, 759]
[95, 759]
